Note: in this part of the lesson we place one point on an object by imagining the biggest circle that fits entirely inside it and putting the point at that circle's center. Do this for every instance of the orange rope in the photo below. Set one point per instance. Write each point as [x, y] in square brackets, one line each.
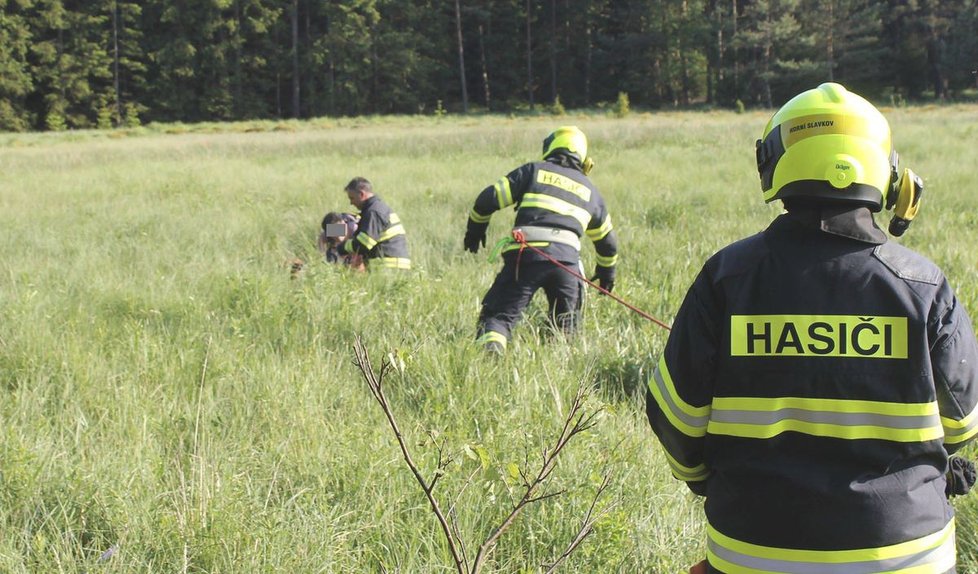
[521, 239]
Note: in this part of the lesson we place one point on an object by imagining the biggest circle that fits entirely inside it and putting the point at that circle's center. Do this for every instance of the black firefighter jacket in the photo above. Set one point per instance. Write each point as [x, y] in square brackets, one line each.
[551, 194]
[814, 381]
[380, 237]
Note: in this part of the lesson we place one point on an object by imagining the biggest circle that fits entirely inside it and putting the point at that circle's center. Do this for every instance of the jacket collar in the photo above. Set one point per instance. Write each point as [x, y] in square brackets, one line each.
[844, 221]
[370, 201]
[564, 160]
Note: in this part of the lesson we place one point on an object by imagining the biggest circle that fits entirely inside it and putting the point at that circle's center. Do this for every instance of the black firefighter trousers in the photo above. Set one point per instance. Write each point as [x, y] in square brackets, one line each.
[511, 292]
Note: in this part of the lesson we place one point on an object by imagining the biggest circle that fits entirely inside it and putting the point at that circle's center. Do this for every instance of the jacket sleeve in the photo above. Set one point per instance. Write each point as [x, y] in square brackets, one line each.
[954, 359]
[367, 236]
[601, 231]
[681, 387]
[505, 192]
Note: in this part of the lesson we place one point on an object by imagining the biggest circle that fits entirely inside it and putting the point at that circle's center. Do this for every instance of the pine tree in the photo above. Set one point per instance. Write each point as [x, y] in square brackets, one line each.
[347, 52]
[778, 51]
[71, 64]
[15, 78]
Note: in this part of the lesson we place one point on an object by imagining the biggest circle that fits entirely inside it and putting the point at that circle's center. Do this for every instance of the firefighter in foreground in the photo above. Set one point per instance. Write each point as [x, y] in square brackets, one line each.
[556, 204]
[379, 237]
[817, 376]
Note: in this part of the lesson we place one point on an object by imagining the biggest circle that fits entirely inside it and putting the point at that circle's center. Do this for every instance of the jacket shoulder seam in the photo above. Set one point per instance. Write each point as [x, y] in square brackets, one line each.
[907, 265]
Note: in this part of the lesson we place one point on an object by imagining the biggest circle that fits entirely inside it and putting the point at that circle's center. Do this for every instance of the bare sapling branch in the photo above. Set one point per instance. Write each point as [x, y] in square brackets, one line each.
[441, 465]
[376, 385]
[587, 524]
[577, 421]
[453, 516]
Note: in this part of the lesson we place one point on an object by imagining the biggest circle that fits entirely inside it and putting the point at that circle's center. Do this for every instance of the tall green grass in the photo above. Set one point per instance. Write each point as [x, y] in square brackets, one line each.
[173, 402]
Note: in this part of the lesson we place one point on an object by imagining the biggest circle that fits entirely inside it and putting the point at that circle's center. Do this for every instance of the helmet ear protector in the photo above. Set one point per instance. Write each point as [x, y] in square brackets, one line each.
[587, 165]
[904, 200]
[903, 192]
[903, 196]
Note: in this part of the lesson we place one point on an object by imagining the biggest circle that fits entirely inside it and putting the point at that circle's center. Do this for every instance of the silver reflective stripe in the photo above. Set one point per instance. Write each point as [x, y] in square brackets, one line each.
[962, 430]
[936, 560]
[825, 417]
[562, 236]
[698, 423]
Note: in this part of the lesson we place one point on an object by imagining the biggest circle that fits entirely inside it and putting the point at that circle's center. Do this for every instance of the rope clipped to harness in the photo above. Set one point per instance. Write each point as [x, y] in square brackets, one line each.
[520, 238]
[497, 249]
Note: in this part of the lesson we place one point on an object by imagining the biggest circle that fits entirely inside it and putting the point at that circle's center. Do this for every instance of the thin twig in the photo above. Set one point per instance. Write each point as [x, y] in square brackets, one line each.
[375, 383]
[576, 421]
[453, 516]
[587, 525]
[442, 463]
[465, 485]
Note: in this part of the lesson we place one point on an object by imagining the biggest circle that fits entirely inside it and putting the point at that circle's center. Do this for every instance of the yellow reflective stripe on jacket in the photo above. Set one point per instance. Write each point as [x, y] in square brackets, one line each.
[691, 421]
[931, 554]
[599, 233]
[609, 261]
[504, 195]
[391, 232]
[479, 218]
[391, 262]
[556, 205]
[686, 473]
[959, 431]
[764, 418]
[492, 337]
[366, 240]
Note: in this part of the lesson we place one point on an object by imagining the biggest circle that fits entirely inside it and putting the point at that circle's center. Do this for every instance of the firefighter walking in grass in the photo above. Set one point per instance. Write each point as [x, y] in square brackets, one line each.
[817, 375]
[556, 204]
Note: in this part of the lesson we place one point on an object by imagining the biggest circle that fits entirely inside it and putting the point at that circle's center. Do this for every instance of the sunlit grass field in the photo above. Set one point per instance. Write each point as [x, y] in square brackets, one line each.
[173, 401]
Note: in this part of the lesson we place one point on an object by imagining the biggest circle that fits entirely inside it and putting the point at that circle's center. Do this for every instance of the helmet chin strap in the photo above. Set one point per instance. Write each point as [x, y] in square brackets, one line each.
[908, 189]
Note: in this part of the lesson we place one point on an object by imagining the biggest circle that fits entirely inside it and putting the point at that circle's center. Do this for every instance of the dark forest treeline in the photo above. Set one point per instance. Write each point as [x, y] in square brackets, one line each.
[103, 63]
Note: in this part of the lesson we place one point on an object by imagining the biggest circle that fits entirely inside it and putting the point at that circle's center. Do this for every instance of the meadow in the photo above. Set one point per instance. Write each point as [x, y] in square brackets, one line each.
[173, 401]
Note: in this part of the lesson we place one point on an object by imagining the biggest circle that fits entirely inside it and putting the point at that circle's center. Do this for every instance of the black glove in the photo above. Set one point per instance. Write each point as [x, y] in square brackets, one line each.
[960, 476]
[474, 235]
[605, 276]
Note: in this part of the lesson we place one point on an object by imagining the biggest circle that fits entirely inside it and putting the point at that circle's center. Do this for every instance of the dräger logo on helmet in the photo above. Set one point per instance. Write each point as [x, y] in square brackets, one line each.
[818, 336]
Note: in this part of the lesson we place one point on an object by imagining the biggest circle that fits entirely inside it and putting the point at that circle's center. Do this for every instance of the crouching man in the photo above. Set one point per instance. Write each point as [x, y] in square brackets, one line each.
[379, 239]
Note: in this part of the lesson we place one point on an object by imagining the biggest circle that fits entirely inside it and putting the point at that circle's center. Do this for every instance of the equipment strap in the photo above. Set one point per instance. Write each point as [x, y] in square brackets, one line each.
[518, 237]
[535, 236]
[550, 234]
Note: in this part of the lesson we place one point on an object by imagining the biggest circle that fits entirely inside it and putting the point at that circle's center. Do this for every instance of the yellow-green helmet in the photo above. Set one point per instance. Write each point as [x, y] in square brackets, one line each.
[566, 139]
[827, 144]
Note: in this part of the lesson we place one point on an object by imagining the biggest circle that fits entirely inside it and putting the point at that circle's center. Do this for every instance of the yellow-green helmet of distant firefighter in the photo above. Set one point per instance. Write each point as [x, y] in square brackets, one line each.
[827, 144]
[569, 139]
